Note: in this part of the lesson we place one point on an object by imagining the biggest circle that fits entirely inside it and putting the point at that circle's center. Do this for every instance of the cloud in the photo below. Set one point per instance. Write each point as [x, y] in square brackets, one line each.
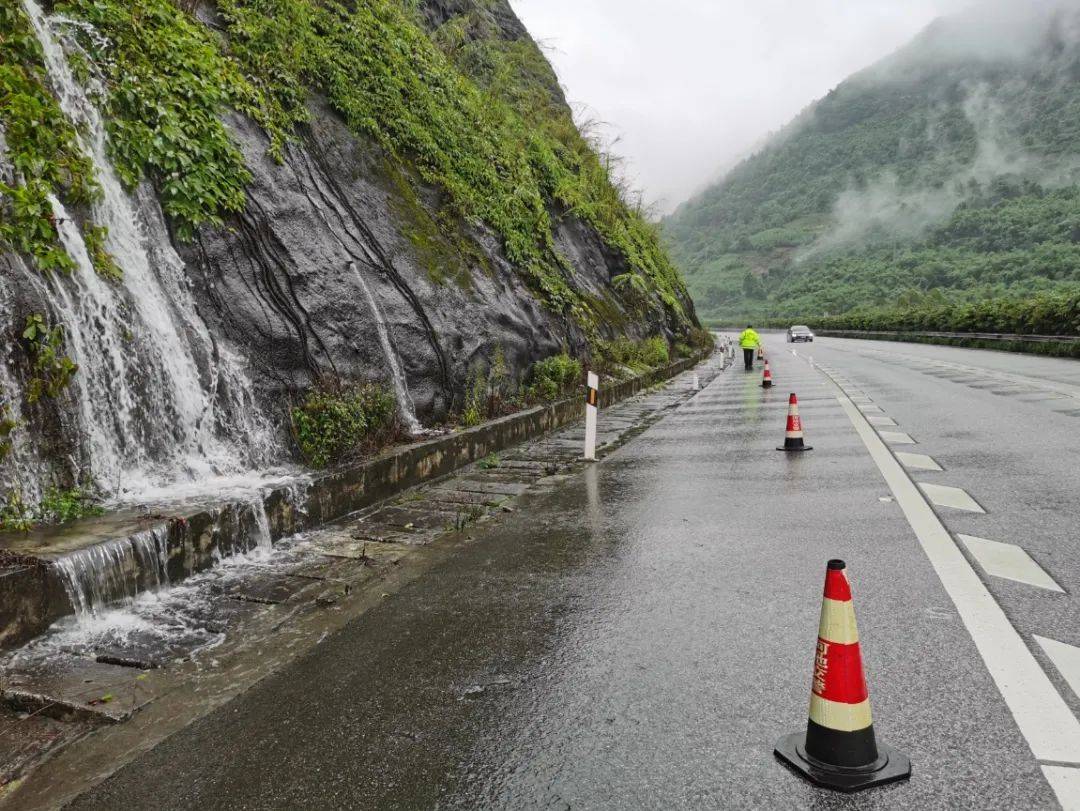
[691, 86]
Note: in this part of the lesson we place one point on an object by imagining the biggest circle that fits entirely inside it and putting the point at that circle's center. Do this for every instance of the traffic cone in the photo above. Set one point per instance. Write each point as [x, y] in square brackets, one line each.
[838, 749]
[793, 441]
[766, 380]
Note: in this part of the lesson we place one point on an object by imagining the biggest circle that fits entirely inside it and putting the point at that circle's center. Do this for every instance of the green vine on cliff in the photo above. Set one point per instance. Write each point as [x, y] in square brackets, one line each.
[167, 85]
[53, 370]
[8, 424]
[474, 116]
[42, 149]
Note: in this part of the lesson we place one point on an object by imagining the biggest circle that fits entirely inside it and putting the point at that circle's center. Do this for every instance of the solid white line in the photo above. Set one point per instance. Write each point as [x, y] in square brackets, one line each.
[917, 461]
[1044, 719]
[1066, 785]
[871, 409]
[897, 438]
[953, 497]
[1009, 561]
[1066, 659]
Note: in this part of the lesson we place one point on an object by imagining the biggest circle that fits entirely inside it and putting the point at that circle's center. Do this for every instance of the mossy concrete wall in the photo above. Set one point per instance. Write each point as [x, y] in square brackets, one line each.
[32, 594]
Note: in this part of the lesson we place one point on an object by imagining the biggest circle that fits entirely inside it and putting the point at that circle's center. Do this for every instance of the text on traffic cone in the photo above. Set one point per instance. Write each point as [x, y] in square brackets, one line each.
[839, 749]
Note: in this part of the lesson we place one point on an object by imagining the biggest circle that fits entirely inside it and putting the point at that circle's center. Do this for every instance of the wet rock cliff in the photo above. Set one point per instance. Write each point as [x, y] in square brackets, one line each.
[217, 208]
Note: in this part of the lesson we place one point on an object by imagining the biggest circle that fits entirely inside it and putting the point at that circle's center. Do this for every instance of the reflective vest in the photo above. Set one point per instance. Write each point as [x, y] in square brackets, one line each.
[749, 339]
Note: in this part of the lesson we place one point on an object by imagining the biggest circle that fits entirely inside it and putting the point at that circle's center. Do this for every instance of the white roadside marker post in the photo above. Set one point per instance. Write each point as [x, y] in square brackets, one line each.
[592, 400]
[697, 382]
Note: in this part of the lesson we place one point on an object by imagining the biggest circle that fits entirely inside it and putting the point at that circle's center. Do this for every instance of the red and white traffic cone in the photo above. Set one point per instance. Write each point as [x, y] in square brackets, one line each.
[793, 440]
[839, 749]
[766, 379]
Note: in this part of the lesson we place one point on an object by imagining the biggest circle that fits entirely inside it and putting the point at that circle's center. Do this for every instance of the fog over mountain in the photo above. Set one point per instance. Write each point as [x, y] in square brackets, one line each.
[694, 88]
[950, 167]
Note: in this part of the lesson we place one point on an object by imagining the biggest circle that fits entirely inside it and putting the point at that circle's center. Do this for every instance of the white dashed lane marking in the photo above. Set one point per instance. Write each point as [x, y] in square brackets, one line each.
[1044, 719]
[1010, 562]
[953, 497]
[897, 438]
[917, 461]
[1066, 659]
[1066, 784]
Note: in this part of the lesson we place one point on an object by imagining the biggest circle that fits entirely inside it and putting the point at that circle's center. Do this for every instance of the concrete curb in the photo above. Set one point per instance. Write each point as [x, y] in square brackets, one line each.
[32, 594]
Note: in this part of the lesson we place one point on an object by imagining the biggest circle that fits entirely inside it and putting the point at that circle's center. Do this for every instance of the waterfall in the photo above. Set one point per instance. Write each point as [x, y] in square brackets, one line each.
[397, 374]
[263, 540]
[159, 401]
[110, 573]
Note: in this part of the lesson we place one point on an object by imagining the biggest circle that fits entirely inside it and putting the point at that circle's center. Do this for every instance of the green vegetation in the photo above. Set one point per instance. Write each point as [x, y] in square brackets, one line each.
[489, 462]
[933, 181]
[460, 109]
[42, 147]
[167, 86]
[332, 425]
[56, 507]
[1044, 314]
[624, 357]
[94, 237]
[53, 370]
[8, 424]
[490, 392]
[553, 376]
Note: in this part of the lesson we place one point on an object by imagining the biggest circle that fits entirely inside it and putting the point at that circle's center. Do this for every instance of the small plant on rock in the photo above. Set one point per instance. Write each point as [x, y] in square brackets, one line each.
[53, 370]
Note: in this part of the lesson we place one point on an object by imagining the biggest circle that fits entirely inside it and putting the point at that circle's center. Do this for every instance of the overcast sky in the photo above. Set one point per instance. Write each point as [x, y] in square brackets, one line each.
[689, 86]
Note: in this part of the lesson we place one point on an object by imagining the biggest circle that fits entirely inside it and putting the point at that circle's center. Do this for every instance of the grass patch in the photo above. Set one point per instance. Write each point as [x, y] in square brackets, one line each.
[57, 506]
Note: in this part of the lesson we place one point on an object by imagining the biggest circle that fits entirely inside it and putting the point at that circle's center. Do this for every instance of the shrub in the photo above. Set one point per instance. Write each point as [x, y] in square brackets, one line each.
[331, 425]
[654, 352]
[552, 376]
[490, 391]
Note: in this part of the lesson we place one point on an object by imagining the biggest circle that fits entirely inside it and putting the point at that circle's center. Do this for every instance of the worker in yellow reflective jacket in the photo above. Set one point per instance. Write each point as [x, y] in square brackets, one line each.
[750, 341]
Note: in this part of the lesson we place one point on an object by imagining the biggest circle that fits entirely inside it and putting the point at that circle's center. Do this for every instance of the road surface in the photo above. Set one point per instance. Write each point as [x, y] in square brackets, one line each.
[640, 635]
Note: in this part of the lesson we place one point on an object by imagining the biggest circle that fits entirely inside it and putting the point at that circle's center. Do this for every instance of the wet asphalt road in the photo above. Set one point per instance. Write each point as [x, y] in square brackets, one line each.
[640, 635]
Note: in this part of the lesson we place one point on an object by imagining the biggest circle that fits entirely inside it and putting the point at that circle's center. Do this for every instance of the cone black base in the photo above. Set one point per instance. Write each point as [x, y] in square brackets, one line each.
[890, 767]
[766, 385]
[797, 450]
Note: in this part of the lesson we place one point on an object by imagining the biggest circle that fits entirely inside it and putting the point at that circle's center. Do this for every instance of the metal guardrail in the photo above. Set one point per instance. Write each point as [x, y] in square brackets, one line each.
[959, 336]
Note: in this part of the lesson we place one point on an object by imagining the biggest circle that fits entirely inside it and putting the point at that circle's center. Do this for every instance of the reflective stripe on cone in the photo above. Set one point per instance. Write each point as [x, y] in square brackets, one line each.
[839, 749]
[793, 439]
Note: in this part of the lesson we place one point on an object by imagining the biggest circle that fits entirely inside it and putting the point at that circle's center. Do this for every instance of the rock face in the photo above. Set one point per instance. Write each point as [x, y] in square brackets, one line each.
[287, 285]
[334, 270]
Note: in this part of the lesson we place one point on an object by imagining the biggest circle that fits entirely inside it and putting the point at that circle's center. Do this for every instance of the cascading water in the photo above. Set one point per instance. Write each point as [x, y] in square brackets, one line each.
[397, 374]
[160, 402]
[106, 574]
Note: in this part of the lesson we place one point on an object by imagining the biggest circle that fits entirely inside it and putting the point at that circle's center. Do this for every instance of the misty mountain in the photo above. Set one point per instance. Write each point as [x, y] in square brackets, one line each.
[949, 171]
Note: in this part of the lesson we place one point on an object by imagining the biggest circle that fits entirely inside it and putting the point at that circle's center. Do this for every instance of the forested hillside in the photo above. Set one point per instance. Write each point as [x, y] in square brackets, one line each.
[946, 173]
